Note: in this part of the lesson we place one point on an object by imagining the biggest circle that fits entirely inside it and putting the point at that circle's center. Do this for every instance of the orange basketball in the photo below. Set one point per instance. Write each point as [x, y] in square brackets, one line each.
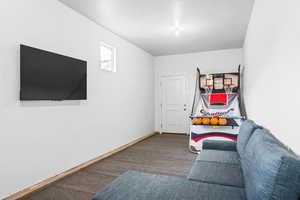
[197, 121]
[214, 121]
[223, 121]
[206, 121]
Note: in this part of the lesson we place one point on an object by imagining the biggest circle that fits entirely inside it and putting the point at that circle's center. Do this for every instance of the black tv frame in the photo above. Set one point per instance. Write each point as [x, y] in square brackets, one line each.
[21, 97]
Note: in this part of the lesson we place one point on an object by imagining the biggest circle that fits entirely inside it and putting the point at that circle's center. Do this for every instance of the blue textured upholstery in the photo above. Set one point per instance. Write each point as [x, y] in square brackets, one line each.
[219, 145]
[229, 157]
[217, 173]
[270, 171]
[287, 185]
[141, 186]
[246, 130]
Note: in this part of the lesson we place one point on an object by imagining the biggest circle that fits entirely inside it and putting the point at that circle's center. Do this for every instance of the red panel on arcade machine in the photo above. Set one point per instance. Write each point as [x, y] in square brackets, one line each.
[218, 99]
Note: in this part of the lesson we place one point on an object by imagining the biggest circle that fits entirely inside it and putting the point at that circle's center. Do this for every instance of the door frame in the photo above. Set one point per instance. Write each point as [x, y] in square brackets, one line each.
[169, 75]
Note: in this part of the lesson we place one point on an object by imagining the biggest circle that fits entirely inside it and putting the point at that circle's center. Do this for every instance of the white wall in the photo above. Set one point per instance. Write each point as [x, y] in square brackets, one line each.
[41, 139]
[272, 60]
[208, 62]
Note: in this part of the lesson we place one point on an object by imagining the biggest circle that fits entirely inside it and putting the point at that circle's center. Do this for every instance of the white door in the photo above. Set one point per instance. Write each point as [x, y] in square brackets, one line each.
[173, 104]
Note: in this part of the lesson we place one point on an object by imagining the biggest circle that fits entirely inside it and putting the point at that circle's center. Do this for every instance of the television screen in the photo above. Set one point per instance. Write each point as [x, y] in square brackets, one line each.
[50, 76]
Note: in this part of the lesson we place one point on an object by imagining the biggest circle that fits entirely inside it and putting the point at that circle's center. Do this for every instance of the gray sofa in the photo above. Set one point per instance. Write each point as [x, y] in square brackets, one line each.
[257, 167]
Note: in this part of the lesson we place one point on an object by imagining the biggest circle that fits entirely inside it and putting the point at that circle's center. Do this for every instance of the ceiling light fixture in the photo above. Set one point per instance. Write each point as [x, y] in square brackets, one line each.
[177, 16]
[177, 31]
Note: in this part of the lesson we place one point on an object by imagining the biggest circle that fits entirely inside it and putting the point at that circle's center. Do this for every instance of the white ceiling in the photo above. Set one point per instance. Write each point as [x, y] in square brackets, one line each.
[202, 25]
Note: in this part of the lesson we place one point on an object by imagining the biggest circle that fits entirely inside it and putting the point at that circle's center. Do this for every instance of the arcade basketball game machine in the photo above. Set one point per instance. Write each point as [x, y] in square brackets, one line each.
[218, 109]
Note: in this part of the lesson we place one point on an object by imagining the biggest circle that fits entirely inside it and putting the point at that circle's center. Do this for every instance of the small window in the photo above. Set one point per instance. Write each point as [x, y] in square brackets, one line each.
[108, 58]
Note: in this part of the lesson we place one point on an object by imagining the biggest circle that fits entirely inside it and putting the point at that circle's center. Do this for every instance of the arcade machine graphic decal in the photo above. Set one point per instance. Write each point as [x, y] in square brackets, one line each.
[218, 109]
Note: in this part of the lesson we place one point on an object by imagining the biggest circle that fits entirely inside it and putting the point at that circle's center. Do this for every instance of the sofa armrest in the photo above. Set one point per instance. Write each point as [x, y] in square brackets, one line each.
[219, 145]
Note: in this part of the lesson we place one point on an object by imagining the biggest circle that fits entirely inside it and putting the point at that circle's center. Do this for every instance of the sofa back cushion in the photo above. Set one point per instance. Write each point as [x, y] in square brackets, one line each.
[270, 171]
[246, 130]
[287, 185]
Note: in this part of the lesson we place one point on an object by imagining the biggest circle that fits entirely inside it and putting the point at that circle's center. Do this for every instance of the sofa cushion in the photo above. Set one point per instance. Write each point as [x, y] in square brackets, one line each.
[246, 130]
[287, 185]
[222, 145]
[270, 171]
[217, 173]
[141, 186]
[229, 157]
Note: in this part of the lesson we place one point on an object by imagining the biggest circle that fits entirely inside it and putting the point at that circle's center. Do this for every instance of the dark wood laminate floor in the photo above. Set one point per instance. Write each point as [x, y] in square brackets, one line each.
[162, 154]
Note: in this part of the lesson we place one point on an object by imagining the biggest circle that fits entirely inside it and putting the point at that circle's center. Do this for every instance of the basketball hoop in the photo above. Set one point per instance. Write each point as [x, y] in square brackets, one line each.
[208, 89]
[228, 88]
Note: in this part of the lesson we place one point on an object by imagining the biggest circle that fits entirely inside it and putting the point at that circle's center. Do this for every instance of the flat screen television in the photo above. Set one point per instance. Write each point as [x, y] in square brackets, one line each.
[50, 76]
